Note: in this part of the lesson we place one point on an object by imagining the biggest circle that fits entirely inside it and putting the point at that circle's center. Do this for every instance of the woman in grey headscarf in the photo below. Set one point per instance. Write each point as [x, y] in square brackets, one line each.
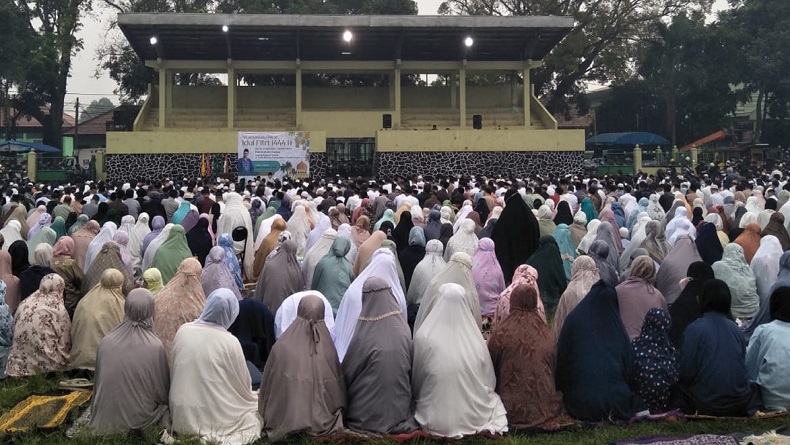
[655, 243]
[132, 373]
[216, 274]
[675, 266]
[377, 366]
[636, 295]
[733, 270]
[605, 231]
[81, 221]
[426, 269]
[599, 252]
[333, 273]
[281, 277]
[303, 388]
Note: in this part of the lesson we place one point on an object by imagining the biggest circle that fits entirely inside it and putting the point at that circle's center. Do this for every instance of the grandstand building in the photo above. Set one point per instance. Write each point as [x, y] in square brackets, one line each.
[355, 85]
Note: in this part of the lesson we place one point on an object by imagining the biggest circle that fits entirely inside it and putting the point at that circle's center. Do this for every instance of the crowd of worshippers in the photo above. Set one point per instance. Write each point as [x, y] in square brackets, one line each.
[455, 306]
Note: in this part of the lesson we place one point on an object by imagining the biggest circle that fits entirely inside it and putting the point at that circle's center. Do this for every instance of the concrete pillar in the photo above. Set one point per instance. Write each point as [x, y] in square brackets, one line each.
[527, 99]
[659, 156]
[675, 154]
[637, 159]
[397, 90]
[462, 89]
[453, 92]
[31, 165]
[171, 82]
[694, 157]
[100, 165]
[162, 96]
[298, 95]
[231, 95]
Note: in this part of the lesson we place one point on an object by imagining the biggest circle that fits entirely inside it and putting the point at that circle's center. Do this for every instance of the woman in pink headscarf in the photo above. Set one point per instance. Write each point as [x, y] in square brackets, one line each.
[489, 281]
[524, 274]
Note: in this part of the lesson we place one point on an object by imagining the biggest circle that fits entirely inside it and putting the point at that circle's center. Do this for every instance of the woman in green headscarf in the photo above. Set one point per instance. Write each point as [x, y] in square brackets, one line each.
[589, 209]
[334, 273]
[268, 213]
[59, 226]
[171, 253]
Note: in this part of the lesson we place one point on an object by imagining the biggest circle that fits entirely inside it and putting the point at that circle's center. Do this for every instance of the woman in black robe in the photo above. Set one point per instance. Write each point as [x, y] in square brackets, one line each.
[200, 241]
[708, 243]
[686, 309]
[445, 234]
[595, 360]
[564, 215]
[411, 256]
[401, 232]
[551, 273]
[516, 234]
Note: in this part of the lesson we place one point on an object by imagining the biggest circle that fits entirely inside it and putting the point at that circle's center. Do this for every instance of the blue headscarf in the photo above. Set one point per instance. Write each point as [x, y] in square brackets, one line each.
[567, 252]
[226, 242]
[181, 213]
[589, 209]
[619, 214]
[634, 215]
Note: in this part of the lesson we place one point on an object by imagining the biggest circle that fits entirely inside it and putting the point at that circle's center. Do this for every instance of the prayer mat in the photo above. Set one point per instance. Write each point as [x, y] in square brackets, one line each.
[703, 439]
[759, 415]
[41, 412]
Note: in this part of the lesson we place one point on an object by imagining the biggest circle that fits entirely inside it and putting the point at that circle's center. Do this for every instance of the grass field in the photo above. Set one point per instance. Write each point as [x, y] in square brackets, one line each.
[13, 391]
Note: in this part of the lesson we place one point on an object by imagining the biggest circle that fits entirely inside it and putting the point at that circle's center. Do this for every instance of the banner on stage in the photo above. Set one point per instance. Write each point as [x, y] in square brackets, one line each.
[285, 153]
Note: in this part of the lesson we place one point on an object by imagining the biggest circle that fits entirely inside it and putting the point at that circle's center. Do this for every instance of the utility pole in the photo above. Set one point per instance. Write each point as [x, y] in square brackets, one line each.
[76, 123]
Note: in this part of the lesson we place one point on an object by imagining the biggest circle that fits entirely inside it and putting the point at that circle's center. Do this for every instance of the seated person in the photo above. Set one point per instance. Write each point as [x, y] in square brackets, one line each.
[713, 379]
[132, 374]
[303, 388]
[595, 361]
[211, 392]
[768, 354]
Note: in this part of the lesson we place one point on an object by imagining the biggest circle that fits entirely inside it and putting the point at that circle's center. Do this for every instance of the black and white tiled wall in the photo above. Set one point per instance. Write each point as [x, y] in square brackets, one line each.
[517, 164]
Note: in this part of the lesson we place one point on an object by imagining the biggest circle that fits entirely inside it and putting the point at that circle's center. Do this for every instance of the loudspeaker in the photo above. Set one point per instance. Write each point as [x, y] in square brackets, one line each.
[477, 121]
[386, 120]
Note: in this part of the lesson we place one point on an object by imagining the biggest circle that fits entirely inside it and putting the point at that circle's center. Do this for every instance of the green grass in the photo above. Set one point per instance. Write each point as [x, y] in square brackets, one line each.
[12, 391]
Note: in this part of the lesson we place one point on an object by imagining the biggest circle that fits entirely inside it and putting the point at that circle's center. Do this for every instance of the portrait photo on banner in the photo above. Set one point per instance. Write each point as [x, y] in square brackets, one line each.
[275, 154]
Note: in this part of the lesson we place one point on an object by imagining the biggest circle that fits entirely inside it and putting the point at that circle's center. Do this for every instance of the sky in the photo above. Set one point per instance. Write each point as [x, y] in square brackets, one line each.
[84, 84]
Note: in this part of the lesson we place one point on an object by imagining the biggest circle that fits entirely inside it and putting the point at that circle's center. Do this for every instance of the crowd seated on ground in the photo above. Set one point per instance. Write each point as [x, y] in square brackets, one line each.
[450, 305]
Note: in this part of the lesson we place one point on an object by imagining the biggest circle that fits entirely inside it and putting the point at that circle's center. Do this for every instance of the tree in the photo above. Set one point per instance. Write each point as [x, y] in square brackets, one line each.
[18, 41]
[56, 23]
[96, 108]
[600, 48]
[764, 28]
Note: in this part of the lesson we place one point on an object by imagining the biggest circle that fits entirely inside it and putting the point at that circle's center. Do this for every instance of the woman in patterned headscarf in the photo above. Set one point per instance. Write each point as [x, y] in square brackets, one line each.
[6, 330]
[181, 301]
[42, 332]
[524, 274]
[656, 361]
[523, 352]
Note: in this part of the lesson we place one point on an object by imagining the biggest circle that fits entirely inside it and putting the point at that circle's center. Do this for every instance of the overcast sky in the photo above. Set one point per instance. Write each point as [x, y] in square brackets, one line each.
[87, 87]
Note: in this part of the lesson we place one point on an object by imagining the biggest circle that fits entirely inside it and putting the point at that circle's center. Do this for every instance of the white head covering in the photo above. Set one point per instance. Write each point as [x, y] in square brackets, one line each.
[286, 314]
[136, 237]
[459, 271]
[426, 269]
[461, 217]
[345, 231]
[592, 233]
[127, 224]
[382, 265]
[748, 218]
[765, 266]
[106, 233]
[11, 232]
[265, 229]
[464, 241]
[153, 246]
[235, 215]
[654, 209]
[461, 402]
[764, 217]
[322, 223]
[299, 226]
[314, 255]
[753, 205]
[680, 225]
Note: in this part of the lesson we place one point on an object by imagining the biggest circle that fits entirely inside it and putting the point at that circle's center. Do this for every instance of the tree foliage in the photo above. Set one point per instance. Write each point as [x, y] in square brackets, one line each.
[600, 48]
[55, 24]
[96, 108]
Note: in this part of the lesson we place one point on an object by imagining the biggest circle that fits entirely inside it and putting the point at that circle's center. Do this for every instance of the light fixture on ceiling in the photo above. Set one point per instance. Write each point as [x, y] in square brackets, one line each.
[469, 41]
[153, 40]
[346, 53]
[348, 36]
[224, 28]
[263, 39]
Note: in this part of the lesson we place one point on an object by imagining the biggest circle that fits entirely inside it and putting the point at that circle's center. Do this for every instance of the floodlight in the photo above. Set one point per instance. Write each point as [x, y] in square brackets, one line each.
[153, 40]
[224, 28]
[348, 36]
[469, 41]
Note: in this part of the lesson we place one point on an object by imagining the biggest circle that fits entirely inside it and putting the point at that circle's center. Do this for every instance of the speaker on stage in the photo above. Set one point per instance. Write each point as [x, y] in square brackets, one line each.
[477, 121]
[386, 120]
